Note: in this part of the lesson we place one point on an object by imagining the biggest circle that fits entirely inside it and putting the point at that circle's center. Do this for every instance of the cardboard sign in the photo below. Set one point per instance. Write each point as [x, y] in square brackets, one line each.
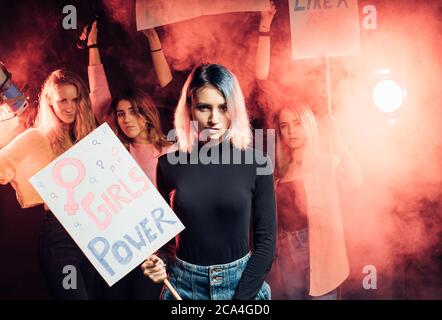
[324, 28]
[154, 13]
[107, 204]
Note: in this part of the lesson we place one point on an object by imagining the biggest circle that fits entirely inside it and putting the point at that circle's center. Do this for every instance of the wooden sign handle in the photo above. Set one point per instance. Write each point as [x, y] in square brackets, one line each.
[172, 289]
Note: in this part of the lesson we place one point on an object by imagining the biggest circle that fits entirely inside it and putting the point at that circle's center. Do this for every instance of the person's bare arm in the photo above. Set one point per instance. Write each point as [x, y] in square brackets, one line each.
[159, 61]
[94, 53]
[262, 63]
[100, 94]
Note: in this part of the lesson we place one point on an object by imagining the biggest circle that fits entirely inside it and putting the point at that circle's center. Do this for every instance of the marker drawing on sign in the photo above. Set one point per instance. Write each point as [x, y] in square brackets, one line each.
[115, 197]
[71, 207]
[100, 164]
[115, 154]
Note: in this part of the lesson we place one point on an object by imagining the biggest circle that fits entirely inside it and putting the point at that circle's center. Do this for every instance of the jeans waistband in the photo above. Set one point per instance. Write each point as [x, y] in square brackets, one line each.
[194, 268]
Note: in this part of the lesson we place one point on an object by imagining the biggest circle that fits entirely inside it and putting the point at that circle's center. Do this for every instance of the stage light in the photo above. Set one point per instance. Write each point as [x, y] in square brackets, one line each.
[388, 96]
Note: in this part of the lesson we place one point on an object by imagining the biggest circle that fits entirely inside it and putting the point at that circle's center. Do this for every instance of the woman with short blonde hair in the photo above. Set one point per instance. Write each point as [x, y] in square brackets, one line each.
[239, 133]
[218, 202]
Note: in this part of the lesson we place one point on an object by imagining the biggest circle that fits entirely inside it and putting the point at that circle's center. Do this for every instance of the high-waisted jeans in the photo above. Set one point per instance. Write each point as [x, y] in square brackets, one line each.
[216, 282]
[290, 273]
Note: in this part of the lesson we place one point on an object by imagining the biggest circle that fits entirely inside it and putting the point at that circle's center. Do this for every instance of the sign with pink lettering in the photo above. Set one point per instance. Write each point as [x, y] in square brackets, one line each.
[154, 13]
[107, 204]
[324, 28]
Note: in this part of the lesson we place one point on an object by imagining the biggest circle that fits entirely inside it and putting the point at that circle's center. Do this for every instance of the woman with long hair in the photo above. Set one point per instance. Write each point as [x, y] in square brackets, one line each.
[136, 119]
[132, 113]
[138, 125]
[311, 258]
[65, 110]
[219, 196]
[65, 116]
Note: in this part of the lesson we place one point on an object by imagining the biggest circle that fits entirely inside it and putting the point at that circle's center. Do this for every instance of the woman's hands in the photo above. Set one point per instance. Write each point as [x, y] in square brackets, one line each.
[149, 33]
[267, 18]
[92, 38]
[262, 63]
[159, 61]
[155, 269]
[152, 37]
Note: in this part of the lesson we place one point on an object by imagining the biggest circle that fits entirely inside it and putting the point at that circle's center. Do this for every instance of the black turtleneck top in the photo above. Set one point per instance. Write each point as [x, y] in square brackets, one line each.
[220, 204]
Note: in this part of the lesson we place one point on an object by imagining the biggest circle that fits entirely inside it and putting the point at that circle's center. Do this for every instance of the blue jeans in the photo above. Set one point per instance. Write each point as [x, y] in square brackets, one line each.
[217, 282]
[291, 269]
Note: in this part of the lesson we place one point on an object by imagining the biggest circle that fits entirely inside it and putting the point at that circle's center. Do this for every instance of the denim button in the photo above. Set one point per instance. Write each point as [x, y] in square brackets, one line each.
[202, 276]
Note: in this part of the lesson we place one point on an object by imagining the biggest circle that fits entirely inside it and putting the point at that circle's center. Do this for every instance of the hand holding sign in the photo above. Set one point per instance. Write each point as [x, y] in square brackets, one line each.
[155, 269]
[109, 207]
[154, 13]
[267, 18]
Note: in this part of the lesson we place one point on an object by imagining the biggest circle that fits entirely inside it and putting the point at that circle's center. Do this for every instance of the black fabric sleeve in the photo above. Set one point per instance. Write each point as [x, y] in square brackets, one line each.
[264, 238]
[168, 251]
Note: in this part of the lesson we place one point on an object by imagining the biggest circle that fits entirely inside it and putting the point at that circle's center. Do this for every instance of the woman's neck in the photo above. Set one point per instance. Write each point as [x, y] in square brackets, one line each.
[210, 143]
[66, 127]
[297, 154]
[142, 138]
[294, 169]
[67, 132]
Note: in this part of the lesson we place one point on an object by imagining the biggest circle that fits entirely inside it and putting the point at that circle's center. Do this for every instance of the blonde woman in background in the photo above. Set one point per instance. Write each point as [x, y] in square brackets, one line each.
[311, 258]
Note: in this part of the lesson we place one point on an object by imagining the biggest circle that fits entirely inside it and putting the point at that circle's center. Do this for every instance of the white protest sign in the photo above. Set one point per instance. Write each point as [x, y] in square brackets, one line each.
[324, 28]
[154, 13]
[107, 204]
